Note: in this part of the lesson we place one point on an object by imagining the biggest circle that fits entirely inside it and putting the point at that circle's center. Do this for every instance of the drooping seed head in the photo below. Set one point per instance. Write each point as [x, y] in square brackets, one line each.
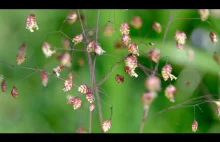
[157, 27]
[68, 83]
[166, 72]
[106, 125]
[213, 37]
[21, 55]
[84, 89]
[77, 102]
[99, 50]
[31, 23]
[72, 17]
[94, 47]
[154, 55]
[44, 78]
[204, 14]
[126, 39]
[133, 48]
[170, 92]
[180, 38]
[14, 92]
[148, 97]
[46, 48]
[218, 106]
[91, 107]
[90, 97]
[124, 28]
[4, 86]
[66, 60]
[194, 126]
[130, 71]
[136, 22]
[153, 83]
[131, 61]
[57, 70]
[119, 78]
[78, 39]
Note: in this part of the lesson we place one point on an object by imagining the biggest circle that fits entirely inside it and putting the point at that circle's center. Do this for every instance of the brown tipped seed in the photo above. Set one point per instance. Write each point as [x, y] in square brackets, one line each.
[21, 55]
[213, 37]
[153, 83]
[154, 55]
[194, 126]
[14, 92]
[131, 61]
[94, 47]
[81, 130]
[68, 84]
[166, 72]
[84, 89]
[66, 60]
[72, 17]
[106, 125]
[108, 31]
[133, 48]
[125, 28]
[180, 38]
[4, 86]
[130, 71]
[57, 70]
[31, 23]
[119, 78]
[157, 27]
[46, 48]
[91, 107]
[170, 92]
[66, 43]
[147, 98]
[78, 39]
[77, 102]
[204, 14]
[90, 97]
[136, 22]
[126, 39]
[44, 78]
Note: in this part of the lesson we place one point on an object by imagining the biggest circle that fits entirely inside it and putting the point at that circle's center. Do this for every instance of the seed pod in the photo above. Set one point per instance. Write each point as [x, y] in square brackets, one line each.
[166, 72]
[130, 71]
[180, 38]
[77, 39]
[125, 28]
[14, 92]
[57, 70]
[95, 47]
[170, 92]
[194, 126]
[213, 37]
[68, 84]
[108, 31]
[31, 23]
[119, 78]
[90, 97]
[66, 43]
[46, 48]
[4, 86]
[75, 101]
[157, 27]
[44, 78]
[91, 107]
[147, 98]
[133, 48]
[81, 130]
[72, 17]
[21, 55]
[99, 50]
[153, 83]
[66, 60]
[131, 61]
[136, 22]
[204, 14]
[84, 89]
[106, 125]
[154, 55]
[126, 39]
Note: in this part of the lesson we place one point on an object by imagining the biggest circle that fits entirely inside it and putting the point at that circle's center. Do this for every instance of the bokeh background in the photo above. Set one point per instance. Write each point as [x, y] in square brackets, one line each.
[40, 109]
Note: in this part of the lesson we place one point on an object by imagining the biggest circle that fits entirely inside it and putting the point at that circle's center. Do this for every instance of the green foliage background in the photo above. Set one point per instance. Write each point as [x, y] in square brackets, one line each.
[44, 109]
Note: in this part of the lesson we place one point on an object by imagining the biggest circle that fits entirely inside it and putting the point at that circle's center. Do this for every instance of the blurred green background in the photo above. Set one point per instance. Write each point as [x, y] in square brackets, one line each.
[44, 109]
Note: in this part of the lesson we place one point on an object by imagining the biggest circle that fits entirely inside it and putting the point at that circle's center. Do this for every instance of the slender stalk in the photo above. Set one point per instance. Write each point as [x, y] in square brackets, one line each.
[146, 109]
